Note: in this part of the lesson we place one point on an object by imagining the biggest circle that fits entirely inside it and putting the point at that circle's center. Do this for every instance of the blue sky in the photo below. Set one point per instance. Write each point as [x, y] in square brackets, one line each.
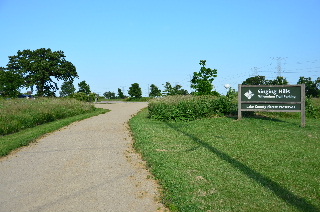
[114, 44]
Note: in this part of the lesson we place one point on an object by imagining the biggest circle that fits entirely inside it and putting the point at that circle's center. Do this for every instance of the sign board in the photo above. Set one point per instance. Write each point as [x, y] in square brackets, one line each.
[272, 98]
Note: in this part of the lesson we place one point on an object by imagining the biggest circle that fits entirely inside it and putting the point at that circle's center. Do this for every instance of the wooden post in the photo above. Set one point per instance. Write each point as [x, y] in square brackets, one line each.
[239, 102]
[303, 105]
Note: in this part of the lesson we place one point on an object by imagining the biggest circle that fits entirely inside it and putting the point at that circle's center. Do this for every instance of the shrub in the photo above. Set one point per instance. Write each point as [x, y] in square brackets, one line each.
[313, 107]
[81, 96]
[189, 107]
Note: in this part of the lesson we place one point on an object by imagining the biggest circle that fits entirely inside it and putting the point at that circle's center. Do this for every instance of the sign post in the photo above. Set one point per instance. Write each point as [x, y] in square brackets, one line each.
[272, 98]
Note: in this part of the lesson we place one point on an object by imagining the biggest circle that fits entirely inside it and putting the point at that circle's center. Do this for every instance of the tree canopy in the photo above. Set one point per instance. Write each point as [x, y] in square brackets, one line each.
[261, 80]
[84, 87]
[256, 80]
[174, 90]
[10, 83]
[39, 68]
[135, 91]
[202, 80]
[109, 95]
[67, 89]
[312, 87]
[120, 94]
[154, 91]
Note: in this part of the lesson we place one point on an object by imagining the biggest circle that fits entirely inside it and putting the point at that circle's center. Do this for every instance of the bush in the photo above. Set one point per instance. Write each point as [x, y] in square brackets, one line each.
[313, 108]
[81, 96]
[189, 107]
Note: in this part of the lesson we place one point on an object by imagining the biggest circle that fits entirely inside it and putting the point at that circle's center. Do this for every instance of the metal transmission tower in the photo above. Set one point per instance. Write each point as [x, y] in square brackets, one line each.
[279, 64]
[255, 71]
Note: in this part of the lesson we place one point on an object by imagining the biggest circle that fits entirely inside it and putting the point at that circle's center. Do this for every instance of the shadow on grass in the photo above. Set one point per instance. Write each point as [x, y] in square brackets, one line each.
[260, 117]
[283, 193]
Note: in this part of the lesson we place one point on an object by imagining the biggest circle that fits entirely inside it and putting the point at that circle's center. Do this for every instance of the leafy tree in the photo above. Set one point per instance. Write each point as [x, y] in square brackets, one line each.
[176, 90]
[67, 89]
[312, 87]
[120, 94]
[84, 87]
[135, 91]
[40, 66]
[202, 80]
[256, 80]
[278, 81]
[10, 82]
[261, 80]
[154, 91]
[109, 95]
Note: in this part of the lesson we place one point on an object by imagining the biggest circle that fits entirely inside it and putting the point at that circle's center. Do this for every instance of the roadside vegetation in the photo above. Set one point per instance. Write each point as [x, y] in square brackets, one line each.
[188, 108]
[23, 120]
[221, 164]
[19, 114]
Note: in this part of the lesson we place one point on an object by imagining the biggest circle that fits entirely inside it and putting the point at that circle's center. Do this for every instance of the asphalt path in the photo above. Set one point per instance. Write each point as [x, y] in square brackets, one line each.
[86, 166]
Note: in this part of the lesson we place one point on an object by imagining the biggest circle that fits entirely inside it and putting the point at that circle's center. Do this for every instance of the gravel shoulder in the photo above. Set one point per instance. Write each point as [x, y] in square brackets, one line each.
[87, 166]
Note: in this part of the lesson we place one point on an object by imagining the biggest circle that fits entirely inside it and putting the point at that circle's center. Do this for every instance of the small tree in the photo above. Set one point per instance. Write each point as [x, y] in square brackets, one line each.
[109, 95]
[176, 90]
[67, 89]
[135, 91]
[154, 91]
[202, 80]
[84, 87]
[120, 94]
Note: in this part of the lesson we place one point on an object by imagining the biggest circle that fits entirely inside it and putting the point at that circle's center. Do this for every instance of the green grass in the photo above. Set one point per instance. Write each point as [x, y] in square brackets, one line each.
[13, 141]
[221, 164]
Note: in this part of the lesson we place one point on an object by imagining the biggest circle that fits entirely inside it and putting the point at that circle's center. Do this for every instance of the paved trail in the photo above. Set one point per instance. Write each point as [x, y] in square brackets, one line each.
[88, 166]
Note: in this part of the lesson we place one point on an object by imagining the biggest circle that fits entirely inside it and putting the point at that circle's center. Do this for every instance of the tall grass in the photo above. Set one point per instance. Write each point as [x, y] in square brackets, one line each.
[19, 114]
[190, 107]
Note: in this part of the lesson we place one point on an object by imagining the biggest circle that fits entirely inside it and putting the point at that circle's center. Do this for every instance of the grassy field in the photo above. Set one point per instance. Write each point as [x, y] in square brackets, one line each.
[221, 164]
[23, 121]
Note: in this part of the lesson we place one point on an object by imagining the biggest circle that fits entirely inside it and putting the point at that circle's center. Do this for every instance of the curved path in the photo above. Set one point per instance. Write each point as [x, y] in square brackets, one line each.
[87, 166]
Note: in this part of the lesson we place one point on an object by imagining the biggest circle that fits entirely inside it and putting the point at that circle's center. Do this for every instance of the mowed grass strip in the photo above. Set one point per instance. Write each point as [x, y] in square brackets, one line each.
[221, 164]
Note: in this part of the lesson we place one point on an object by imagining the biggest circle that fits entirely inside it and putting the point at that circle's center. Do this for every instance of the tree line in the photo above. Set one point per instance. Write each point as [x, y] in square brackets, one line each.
[312, 86]
[38, 70]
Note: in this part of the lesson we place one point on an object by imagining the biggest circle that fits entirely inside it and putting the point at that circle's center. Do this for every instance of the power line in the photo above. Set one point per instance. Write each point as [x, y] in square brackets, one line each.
[279, 67]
